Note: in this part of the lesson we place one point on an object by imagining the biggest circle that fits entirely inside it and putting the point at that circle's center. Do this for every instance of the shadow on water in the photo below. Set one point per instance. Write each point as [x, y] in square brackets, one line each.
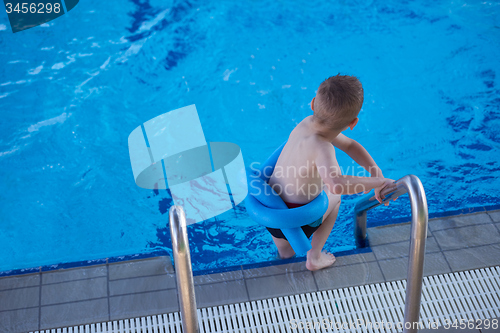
[225, 234]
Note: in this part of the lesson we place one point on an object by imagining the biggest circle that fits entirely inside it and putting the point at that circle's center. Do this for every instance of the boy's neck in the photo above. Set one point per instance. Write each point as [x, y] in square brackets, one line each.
[324, 131]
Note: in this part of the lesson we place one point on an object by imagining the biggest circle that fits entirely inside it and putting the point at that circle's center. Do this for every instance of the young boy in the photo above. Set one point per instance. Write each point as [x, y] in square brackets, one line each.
[307, 164]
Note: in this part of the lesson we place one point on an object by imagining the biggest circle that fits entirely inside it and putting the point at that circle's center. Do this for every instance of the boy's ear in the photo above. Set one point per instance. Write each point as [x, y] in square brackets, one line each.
[353, 123]
[312, 104]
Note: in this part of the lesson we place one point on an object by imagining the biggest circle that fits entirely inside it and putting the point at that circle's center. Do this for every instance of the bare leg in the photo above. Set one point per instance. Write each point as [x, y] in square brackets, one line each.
[315, 258]
[284, 248]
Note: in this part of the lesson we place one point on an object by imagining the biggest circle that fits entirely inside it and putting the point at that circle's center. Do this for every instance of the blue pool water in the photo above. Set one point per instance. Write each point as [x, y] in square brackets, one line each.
[73, 89]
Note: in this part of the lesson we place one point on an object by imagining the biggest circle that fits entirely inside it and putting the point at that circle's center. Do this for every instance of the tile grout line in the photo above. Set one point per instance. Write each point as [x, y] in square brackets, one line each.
[40, 301]
[22, 308]
[288, 295]
[19, 288]
[243, 278]
[462, 226]
[245, 282]
[341, 287]
[278, 274]
[469, 247]
[442, 252]
[102, 276]
[407, 255]
[398, 242]
[76, 280]
[306, 270]
[136, 293]
[315, 282]
[442, 219]
[381, 271]
[255, 277]
[168, 274]
[91, 299]
[490, 217]
[74, 302]
[402, 241]
[223, 279]
[445, 217]
[378, 263]
[497, 225]
[107, 286]
[73, 280]
[144, 276]
[177, 296]
[217, 282]
[281, 274]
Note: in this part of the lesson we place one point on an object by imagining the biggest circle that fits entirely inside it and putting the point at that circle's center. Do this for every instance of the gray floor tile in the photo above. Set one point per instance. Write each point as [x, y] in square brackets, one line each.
[218, 277]
[64, 275]
[150, 303]
[280, 285]
[19, 281]
[346, 276]
[390, 234]
[358, 258]
[23, 320]
[220, 293]
[495, 215]
[141, 284]
[144, 267]
[19, 298]
[275, 269]
[475, 257]
[74, 291]
[475, 235]
[402, 249]
[459, 221]
[396, 269]
[69, 314]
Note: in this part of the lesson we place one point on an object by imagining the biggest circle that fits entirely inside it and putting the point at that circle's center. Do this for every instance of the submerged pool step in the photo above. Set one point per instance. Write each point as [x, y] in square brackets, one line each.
[446, 299]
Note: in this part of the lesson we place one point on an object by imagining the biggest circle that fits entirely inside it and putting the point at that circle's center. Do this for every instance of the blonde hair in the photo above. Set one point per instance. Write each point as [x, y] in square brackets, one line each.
[338, 101]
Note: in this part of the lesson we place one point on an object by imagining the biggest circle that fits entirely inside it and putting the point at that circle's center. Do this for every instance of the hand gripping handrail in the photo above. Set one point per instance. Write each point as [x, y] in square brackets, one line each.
[183, 269]
[419, 217]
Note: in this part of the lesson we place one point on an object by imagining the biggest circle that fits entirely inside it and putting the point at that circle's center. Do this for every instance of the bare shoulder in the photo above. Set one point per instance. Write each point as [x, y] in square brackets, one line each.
[302, 127]
[308, 143]
[317, 144]
[342, 142]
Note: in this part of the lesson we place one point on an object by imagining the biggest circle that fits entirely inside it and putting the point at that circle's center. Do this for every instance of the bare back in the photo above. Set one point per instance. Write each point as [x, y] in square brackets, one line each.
[295, 177]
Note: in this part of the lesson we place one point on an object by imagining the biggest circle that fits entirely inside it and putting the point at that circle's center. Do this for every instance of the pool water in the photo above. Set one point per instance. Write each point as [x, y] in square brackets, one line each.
[73, 89]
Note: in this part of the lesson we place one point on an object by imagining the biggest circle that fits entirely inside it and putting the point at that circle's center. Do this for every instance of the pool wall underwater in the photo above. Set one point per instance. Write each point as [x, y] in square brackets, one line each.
[73, 89]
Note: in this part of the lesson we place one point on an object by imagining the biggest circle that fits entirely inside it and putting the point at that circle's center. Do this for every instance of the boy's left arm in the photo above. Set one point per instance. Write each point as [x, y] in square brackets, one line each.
[358, 153]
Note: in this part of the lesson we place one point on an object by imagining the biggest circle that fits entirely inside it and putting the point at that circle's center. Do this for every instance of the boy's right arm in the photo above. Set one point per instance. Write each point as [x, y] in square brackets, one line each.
[330, 173]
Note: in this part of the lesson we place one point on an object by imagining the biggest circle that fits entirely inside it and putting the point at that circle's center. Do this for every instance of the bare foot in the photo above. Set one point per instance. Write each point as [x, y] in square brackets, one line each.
[325, 259]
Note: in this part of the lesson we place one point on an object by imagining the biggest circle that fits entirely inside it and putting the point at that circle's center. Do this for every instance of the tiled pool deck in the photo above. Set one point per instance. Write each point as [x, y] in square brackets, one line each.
[146, 287]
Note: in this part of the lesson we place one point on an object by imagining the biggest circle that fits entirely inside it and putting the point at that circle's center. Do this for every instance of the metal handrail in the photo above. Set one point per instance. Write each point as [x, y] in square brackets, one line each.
[183, 269]
[419, 217]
